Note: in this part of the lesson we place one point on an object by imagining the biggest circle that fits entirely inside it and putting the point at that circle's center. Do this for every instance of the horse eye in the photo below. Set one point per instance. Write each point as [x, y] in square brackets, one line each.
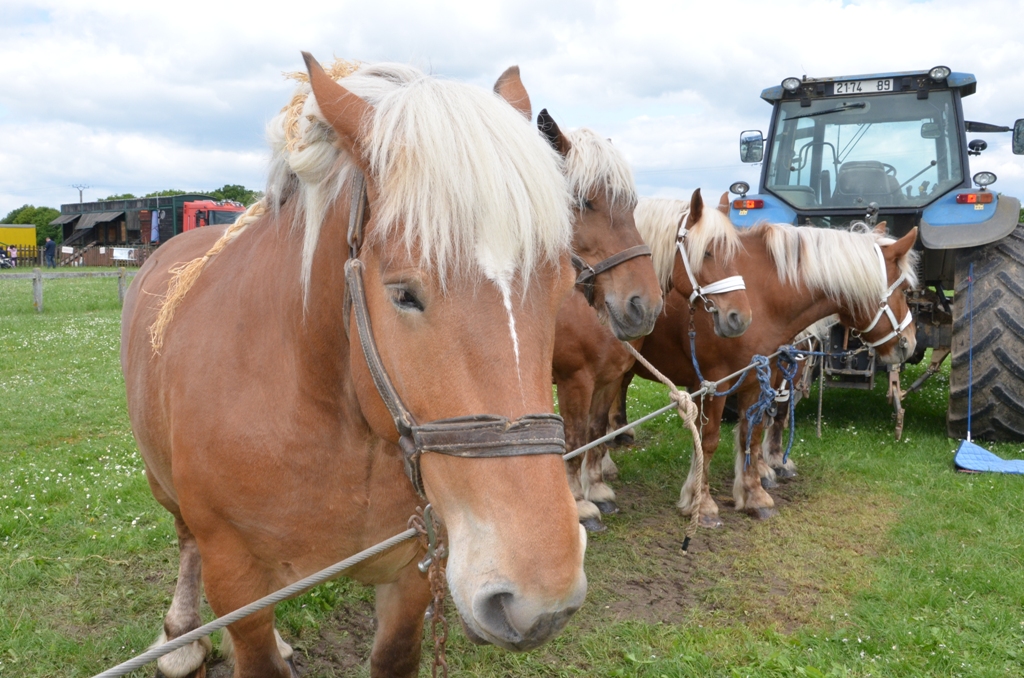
[707, 255]
[586, 204]
[404, 299]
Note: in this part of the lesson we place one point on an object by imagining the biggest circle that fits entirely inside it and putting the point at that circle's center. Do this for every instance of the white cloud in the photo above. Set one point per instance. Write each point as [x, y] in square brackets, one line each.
[133, 97]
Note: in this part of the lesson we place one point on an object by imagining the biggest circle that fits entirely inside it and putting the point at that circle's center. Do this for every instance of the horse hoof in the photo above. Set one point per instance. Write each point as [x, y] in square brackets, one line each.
[710, 522]
[783, 472]
[198, 673]
[768, 483]
[594, 525]
[607, 507]
[624, 440]
[291, 666]
[763, 513]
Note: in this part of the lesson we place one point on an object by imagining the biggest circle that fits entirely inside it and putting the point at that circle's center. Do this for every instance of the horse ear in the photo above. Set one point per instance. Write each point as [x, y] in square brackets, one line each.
[343, 110]
[549, 128]
[510, 88]
[723, 204]
[903, 245]
[696, 209]
[882, 227]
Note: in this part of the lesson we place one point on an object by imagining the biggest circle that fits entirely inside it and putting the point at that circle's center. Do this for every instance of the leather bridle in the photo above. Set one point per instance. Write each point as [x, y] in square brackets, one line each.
[587, 274]
[885, 309]
[473, 436]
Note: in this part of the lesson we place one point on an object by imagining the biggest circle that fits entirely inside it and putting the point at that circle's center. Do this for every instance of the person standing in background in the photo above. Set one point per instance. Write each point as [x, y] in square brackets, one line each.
[12, 252]
[49, 250]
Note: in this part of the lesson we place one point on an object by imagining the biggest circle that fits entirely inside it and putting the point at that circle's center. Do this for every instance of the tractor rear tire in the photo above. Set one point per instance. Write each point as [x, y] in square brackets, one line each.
[997, 410]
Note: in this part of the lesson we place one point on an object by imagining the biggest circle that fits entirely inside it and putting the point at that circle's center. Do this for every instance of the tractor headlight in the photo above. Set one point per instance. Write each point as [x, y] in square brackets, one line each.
[740, 188]
[939, 73]
[791, 84]
[984, 179]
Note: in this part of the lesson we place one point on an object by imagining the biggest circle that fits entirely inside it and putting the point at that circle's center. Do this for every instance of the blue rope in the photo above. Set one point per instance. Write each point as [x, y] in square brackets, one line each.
[765, 402]
[696, 368]
[970, 345]
[787, 362]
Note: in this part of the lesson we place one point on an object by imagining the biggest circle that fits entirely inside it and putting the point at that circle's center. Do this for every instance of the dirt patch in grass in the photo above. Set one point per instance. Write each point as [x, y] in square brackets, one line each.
[780, 573]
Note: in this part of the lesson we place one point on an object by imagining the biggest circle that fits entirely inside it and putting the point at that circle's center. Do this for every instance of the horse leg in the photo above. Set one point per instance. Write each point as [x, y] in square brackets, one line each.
[574, 397]
[233, 579]
[609, 470]
[597, 491]
[400, 608]
[618, 417]
[710, 438]
[772, 448]
[183, 615]
[747, 490]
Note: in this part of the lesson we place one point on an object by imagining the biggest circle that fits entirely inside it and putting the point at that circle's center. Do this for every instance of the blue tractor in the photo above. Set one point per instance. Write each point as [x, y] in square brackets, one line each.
[893, 147]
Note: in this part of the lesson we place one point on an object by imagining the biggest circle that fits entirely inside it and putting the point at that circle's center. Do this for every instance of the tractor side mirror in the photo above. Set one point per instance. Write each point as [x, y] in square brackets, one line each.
[1018, 137]
[752, 145]
[930, 130]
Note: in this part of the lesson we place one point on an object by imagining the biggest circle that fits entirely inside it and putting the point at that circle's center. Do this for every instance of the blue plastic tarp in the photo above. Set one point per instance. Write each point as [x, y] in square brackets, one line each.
[970, 457]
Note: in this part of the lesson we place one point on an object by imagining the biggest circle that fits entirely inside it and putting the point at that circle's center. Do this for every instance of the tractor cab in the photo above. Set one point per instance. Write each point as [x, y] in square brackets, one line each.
[891, 144]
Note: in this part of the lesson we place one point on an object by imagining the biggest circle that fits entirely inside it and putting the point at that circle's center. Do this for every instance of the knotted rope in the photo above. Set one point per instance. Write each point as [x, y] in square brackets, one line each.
[688, 412]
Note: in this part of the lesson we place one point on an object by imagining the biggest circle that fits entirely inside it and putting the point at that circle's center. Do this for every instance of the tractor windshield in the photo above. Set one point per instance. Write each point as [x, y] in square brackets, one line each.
[893, 149]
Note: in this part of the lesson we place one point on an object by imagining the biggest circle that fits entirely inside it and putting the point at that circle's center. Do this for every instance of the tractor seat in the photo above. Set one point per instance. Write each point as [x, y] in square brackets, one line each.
[864, 179]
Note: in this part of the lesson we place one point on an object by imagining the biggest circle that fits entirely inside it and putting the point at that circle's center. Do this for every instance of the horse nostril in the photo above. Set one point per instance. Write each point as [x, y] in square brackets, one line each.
[493, 615]
[635, 308]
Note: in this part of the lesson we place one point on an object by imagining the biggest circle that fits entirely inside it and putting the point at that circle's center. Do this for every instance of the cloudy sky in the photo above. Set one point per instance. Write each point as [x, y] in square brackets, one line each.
[132, 97]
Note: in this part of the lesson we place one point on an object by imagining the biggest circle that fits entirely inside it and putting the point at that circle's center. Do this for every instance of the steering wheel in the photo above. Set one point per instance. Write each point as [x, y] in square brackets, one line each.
[889, 169]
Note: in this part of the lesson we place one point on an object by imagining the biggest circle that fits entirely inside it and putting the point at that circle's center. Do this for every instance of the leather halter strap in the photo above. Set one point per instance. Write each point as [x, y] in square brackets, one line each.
[733, 283]
[885, 309]
[468, 436]
[588, 274]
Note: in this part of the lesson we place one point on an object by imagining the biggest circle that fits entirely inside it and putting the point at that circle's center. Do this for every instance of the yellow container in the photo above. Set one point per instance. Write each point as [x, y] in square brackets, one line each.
[20, 235]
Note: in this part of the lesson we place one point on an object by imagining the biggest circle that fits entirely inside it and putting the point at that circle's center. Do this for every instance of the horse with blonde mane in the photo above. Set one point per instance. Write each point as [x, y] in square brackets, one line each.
[590, 363]
[406, 265]
[798, 275]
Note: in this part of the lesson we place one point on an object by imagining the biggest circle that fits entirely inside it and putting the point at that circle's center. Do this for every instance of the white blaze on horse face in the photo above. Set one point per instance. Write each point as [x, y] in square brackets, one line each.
[501, 274]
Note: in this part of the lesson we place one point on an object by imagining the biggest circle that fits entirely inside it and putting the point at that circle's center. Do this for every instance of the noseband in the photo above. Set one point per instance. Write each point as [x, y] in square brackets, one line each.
[885, 309]
[472, 436]
[588, 274]
[733, 283]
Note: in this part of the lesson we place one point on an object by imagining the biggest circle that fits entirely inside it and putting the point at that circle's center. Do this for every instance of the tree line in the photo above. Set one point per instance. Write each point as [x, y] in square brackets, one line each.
[42, 216]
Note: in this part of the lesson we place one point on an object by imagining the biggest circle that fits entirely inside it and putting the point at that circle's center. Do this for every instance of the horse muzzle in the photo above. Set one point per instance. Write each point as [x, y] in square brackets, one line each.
[633, 318]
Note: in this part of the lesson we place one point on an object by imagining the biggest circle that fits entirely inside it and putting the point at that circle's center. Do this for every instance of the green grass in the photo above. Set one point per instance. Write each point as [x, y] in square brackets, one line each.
[882, 562]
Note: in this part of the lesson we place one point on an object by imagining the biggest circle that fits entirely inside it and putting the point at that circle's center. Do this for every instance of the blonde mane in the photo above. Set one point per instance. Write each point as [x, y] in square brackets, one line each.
[594, 164]
[842, 264]
[463, 179]
[660, 220]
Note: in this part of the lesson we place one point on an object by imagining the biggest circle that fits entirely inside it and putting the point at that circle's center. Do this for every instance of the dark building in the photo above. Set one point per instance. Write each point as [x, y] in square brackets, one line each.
[123, 222]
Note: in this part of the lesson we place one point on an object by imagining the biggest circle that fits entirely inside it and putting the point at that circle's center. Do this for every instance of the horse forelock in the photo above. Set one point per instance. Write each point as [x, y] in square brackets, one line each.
[660, 220]
[593, 164]
[842, 264]
[463, 180]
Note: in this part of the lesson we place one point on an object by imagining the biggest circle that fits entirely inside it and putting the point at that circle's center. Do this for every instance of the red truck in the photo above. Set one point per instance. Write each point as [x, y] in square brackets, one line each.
[200, 213]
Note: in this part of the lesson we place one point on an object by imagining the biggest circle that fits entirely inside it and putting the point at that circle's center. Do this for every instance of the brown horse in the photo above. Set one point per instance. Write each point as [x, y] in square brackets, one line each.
[264, 427]
[589, 362]
[796, 276]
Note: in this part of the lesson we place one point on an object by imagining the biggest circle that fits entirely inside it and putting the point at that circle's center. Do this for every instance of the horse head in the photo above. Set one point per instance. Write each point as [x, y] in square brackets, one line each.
[888, 327]
[615, 271]
[706, 271]
[465, 261]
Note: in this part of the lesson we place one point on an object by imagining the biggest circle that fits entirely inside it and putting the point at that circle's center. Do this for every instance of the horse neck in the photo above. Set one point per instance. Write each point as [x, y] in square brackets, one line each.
[791, 307]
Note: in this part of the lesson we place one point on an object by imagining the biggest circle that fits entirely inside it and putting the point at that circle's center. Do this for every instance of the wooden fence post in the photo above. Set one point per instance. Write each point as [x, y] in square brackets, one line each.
[37, 288]
[121, 279]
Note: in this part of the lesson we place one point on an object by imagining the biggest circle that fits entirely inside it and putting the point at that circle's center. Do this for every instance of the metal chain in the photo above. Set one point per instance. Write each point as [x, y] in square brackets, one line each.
[432, 536]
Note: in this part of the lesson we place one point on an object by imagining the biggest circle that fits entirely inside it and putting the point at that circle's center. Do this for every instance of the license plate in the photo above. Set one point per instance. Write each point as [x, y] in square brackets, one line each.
[863, 86]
